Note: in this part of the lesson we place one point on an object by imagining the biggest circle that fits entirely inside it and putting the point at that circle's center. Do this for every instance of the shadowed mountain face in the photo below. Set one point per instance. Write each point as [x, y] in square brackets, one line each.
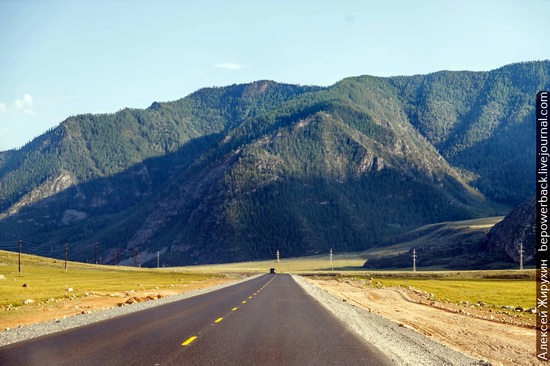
[516, 231]
[236, 173]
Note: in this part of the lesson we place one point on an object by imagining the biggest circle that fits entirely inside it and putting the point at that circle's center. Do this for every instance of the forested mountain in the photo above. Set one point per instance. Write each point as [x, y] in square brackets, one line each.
[236, 173]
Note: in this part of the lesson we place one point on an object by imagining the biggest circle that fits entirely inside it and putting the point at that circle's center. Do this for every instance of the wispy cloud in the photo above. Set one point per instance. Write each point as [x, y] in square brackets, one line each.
[3, 108]
[26, 101]
[24, 104]
[229, 66]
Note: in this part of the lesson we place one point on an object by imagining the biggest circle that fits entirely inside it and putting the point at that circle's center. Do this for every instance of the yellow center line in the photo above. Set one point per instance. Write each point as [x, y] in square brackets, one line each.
[244, 302]
[218, 320]
[234, 309]
[188, 342]
[249, 297]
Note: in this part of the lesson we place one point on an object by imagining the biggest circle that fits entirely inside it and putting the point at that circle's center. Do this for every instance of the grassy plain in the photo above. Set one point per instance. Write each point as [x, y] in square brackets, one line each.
[46, 278]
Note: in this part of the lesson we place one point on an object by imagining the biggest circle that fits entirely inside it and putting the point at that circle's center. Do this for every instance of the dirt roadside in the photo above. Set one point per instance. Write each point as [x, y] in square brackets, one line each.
[92, 301]
[460, 328]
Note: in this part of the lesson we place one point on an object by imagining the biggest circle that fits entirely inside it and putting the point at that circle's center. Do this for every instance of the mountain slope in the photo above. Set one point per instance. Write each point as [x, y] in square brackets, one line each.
[516, 231]
[236, 173]
[468, 115]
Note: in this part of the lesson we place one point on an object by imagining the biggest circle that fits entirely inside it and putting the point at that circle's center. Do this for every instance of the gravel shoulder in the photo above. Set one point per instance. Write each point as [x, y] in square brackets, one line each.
[406, 329]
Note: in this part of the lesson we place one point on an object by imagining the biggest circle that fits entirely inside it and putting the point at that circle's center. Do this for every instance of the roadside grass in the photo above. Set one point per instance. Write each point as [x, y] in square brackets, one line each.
[493, 292]
[46, 278]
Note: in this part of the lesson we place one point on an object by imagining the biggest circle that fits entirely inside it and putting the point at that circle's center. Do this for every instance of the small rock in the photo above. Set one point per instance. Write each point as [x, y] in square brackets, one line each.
[532, 310]
[2, 278]
[25, 285]
[70, 289]
[28, 301]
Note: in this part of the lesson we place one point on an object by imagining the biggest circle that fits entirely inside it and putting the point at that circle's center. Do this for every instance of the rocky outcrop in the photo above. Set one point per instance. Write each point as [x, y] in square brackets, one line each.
[516, 228]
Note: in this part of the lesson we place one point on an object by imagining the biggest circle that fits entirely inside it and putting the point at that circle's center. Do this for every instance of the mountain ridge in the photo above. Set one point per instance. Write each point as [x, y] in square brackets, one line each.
[237, 172]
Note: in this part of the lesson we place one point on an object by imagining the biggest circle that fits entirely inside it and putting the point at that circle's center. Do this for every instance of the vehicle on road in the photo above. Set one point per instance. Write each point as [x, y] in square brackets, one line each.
[272, 271]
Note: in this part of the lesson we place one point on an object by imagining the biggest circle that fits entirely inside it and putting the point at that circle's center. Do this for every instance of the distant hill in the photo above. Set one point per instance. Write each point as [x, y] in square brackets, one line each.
[236, 173]
[458, 245]
[515, 231]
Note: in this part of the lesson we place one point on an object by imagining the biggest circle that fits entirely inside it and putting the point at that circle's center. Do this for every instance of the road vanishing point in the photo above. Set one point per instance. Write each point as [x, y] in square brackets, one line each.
[268, 320]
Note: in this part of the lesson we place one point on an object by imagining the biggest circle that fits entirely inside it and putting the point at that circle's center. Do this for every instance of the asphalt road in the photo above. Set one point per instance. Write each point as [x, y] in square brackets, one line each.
[269, 320]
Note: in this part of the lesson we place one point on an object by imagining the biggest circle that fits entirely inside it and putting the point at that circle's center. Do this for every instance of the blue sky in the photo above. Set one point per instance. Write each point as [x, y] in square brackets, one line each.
[62, 58]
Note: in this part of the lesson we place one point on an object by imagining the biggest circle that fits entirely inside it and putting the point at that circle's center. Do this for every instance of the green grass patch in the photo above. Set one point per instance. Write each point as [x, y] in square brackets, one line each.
[493, 292]
[46, 278]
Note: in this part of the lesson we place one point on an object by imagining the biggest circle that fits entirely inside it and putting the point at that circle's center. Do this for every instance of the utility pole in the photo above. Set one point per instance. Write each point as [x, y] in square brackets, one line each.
[96, 253]
[331, 266]
[278, 257]
[19, 258]
[521, 256]
[158, 259]
[414, 260]
[66, 254]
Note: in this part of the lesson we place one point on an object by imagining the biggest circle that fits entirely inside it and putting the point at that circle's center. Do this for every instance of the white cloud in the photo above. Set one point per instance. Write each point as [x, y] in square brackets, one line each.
[25, 102]
[229, 66]
[3, 108]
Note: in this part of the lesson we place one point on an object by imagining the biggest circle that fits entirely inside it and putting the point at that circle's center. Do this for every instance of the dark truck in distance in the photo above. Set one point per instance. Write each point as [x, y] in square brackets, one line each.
[272, 271]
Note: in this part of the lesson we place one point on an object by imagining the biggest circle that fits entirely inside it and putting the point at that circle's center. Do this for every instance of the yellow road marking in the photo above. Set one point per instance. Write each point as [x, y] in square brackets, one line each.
[244, 302]
[218, 320]
[249, 297]
[188, 342]
[234, 309]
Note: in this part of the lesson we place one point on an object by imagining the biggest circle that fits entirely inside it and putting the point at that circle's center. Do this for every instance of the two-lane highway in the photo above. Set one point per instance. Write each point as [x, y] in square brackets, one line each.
[268, 320]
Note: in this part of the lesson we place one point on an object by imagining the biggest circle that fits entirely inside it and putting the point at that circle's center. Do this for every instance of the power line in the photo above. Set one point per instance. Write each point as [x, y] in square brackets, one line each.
[20, 258]
[521, 256]
[66, 254]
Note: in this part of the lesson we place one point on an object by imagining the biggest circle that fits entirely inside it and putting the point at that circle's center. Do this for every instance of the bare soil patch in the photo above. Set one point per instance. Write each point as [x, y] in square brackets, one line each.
[499, 338]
